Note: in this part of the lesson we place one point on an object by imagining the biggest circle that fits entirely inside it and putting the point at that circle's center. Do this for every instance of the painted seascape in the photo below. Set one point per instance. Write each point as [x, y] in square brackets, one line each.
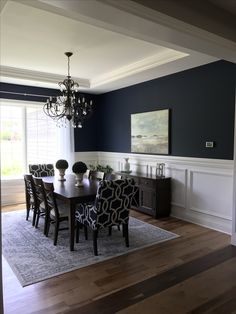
[150, 132]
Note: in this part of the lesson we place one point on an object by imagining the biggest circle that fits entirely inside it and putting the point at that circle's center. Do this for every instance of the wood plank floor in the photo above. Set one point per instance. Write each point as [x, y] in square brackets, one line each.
[194, 273]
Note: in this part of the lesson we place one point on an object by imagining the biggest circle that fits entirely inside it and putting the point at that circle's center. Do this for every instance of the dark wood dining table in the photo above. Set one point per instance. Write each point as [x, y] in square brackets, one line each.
[73, 195]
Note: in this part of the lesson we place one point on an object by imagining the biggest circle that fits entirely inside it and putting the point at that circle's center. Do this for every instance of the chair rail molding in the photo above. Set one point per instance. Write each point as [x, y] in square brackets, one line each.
[202, 189]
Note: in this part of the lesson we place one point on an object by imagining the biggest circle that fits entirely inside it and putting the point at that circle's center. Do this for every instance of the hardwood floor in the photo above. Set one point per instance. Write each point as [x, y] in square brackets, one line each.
[194, 273]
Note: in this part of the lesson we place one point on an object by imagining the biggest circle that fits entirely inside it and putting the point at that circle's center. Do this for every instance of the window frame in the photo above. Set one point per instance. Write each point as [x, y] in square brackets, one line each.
[23, 105]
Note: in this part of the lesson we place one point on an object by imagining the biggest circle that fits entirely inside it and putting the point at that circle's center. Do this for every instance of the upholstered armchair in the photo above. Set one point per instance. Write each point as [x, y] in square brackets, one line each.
[111, 207]
[41, 170]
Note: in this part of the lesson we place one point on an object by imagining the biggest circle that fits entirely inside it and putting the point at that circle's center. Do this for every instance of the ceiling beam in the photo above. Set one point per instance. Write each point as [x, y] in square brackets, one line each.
[135, 20]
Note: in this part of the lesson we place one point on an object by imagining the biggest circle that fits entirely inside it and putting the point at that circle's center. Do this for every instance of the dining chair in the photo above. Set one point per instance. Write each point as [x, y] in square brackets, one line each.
[57, 211]
[99, 175]
[111, 207]
[30, 197]
[41, 170]
[41, 208]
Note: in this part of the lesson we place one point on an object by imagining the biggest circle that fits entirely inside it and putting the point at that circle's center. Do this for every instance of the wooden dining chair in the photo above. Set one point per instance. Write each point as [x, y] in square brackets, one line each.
[111, 207]
[58, 211]
[98, 175]
[41, 208]
[30, 197]
[41, 170]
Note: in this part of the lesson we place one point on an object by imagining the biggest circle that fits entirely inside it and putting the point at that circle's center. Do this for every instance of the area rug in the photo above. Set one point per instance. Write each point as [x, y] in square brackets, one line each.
[34, 258]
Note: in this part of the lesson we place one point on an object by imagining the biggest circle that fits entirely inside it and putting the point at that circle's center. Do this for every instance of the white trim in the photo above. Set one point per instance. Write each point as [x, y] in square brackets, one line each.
[202, 219]
[233, 238]
[209, 212]
[37, 76]
[181, 207]
[15, 102]
[137, 67]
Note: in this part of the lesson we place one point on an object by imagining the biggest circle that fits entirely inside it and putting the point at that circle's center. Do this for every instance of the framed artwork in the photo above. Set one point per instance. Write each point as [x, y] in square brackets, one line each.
[150, 132]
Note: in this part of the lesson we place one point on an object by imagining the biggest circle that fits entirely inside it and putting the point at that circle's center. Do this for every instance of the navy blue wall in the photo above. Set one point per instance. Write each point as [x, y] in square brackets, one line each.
[202, 104]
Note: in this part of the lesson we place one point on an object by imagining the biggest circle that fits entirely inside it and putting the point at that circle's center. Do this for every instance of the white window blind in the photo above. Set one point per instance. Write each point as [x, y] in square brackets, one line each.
[27, 136]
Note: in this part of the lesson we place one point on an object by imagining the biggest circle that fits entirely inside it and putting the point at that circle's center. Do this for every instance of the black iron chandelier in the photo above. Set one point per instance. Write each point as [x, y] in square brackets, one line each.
[71, 105]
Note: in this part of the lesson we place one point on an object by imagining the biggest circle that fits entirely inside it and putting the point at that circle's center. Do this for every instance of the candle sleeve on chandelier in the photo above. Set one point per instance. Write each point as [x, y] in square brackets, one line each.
[70, 106]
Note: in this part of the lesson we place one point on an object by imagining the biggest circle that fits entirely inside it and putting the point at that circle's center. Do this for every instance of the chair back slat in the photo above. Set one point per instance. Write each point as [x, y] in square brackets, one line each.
[30, 192]
[50, 198]
[40, 192]
[30, 195]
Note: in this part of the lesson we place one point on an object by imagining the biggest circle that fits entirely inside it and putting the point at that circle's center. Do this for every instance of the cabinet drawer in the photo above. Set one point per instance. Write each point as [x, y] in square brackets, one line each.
[147, 182]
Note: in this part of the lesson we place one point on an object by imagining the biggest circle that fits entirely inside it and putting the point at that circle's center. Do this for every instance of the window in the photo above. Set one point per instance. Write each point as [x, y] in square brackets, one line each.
[27, 136]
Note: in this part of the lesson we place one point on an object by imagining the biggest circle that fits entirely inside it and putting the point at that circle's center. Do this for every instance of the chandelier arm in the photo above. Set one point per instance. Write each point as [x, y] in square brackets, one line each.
[70, 106]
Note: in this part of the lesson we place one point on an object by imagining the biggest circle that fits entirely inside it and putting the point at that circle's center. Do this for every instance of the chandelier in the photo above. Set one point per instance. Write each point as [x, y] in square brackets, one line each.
[70, 106]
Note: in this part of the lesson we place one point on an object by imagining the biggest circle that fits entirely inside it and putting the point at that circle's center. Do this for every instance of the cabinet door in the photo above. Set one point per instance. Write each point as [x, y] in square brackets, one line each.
[147, 200]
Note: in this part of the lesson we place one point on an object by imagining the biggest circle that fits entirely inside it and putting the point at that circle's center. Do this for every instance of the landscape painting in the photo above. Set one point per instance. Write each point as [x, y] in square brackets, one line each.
[150, 132]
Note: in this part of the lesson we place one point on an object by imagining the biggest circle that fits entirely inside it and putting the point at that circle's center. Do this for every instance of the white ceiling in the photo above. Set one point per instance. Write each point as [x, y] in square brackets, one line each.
[112, 48]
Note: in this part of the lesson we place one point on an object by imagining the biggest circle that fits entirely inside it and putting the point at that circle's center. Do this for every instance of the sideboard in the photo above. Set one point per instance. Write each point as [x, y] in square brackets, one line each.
[153, 195]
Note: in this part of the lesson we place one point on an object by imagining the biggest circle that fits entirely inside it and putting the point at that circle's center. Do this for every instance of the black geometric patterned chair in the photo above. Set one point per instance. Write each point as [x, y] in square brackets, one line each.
[41, 170]
[30, 197]
[111, 207]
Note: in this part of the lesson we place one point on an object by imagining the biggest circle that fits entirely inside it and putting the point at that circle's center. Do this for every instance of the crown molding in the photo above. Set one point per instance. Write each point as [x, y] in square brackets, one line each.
[36, 76]
[161, 58]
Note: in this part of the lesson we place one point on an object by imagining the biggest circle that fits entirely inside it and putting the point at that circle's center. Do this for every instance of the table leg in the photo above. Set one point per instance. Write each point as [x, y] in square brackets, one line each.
[72, 226]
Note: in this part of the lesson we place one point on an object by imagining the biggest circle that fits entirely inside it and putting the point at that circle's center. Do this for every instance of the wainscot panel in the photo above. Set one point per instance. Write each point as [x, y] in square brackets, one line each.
[202, 189]
[12, 192]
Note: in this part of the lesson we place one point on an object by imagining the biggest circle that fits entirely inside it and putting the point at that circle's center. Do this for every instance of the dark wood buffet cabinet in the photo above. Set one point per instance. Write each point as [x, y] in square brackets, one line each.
[153, 195]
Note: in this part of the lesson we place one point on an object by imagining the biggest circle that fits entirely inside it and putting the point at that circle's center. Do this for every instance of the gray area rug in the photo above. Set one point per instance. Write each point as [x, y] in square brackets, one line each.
[34, 258]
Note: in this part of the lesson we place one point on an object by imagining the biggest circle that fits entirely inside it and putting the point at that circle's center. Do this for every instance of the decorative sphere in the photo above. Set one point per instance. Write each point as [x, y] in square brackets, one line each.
[79, 167]
[62, 164]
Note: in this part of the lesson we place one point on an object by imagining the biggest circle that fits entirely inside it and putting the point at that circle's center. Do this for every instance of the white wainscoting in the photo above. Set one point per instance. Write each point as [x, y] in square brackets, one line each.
[12, 192]
[202, 189]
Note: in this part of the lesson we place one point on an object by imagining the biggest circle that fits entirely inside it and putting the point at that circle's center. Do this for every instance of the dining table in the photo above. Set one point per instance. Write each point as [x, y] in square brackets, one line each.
[73, 195]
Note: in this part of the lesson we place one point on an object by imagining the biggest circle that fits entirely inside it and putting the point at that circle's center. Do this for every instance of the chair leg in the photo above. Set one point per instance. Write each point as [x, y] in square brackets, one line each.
[109, 230]
[27, 212]
[45, 231]
[34, 217]
[126, 234]
[56, 232]
[37, 219]
[95, 247]
[48, 227]
[77, 232]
